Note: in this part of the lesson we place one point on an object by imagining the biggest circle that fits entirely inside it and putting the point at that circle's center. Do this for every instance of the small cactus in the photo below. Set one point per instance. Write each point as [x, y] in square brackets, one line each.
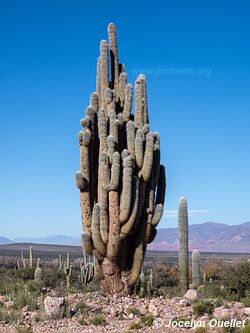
[23, 260]
[183, 244]
[31, 258]
[38, 275]
[68, 271]
[196, 268]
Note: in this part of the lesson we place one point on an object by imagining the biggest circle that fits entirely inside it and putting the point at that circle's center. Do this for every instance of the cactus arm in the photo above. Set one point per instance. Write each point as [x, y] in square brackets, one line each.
[99, 79]
[98, 243]
[115, 172]
[139, 148]
[122, 88]
[104, 70]
[113, 55]
[128, 102]
[87, 243]
[127, 227]
[126, 190]
[148, 158]
[131, 137]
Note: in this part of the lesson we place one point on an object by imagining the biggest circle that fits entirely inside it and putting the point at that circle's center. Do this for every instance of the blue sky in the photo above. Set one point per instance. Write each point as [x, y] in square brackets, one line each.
[196, 56]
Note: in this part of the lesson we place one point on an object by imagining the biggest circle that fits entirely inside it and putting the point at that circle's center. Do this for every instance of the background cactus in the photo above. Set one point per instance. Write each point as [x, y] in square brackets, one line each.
[121, 181]
[183, 244]
[196, 268]
[67, 271]
[38, 274]
[31, 257]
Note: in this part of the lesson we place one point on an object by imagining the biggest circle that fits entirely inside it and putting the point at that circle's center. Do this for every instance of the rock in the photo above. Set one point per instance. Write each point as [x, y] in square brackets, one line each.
[238, 305]
[191, 295]
[131, 316]
[175, 300]
[152, 308]
[54, 306]
[3, 299]
[247, 311]
[9, 304]
[25, 309]
[183, 302]
[221, 312]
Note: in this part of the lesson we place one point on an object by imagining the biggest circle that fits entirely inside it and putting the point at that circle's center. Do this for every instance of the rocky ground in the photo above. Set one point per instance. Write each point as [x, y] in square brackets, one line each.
[94, 312]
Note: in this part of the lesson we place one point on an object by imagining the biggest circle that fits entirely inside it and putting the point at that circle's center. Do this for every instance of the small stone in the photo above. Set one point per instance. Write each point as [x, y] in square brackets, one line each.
[131, 316]
[3, 299]
[247, 311]
[183, 302]
[152, 309]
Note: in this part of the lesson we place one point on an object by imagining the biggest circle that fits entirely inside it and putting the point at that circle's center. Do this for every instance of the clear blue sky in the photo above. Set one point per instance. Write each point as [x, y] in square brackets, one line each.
[48, 52]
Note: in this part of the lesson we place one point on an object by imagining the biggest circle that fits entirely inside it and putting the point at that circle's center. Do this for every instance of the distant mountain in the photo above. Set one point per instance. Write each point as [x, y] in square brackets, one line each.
[207, 237]
[53, 239]
[4, 240]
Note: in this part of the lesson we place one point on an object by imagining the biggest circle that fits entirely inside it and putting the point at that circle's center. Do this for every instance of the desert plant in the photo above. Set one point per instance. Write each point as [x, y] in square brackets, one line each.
[38, 275]
[23, 329]
[121, 181]
[238, 279]
[68, 271]
[183, 244]
[98, 320]
[147, 320]
[196, 268]
[31, 257]
[245, 329]
[201, 307]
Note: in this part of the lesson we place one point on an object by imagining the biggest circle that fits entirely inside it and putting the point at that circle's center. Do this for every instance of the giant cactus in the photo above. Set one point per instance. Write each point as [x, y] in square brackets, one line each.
[121, 181]
[183, 244]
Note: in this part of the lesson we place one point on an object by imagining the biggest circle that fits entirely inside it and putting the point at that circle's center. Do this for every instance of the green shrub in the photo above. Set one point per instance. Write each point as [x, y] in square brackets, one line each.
[53, 277]
[202, 307]
[133, 310]
[21, 329]
[245, 329]
[165, 276]
[238, 279]
[10, 315]
[147, 320]
[98, 320]
[82, 308]
[82, 321]
[200, 330]
[135, 326]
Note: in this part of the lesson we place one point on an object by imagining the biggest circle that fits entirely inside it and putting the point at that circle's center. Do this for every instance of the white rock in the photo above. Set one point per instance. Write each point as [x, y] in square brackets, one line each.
[191, 295]
[247, 311]
[54, 306]
[183, 302]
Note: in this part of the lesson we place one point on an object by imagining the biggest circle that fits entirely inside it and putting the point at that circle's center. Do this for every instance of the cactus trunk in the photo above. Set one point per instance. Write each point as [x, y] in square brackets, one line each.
[121, 181]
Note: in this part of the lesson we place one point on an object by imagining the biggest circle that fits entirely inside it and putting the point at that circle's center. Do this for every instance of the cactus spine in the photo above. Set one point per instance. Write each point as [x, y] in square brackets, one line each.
[121, 181]
[183, 244]
[196, 268]
[38, 275]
